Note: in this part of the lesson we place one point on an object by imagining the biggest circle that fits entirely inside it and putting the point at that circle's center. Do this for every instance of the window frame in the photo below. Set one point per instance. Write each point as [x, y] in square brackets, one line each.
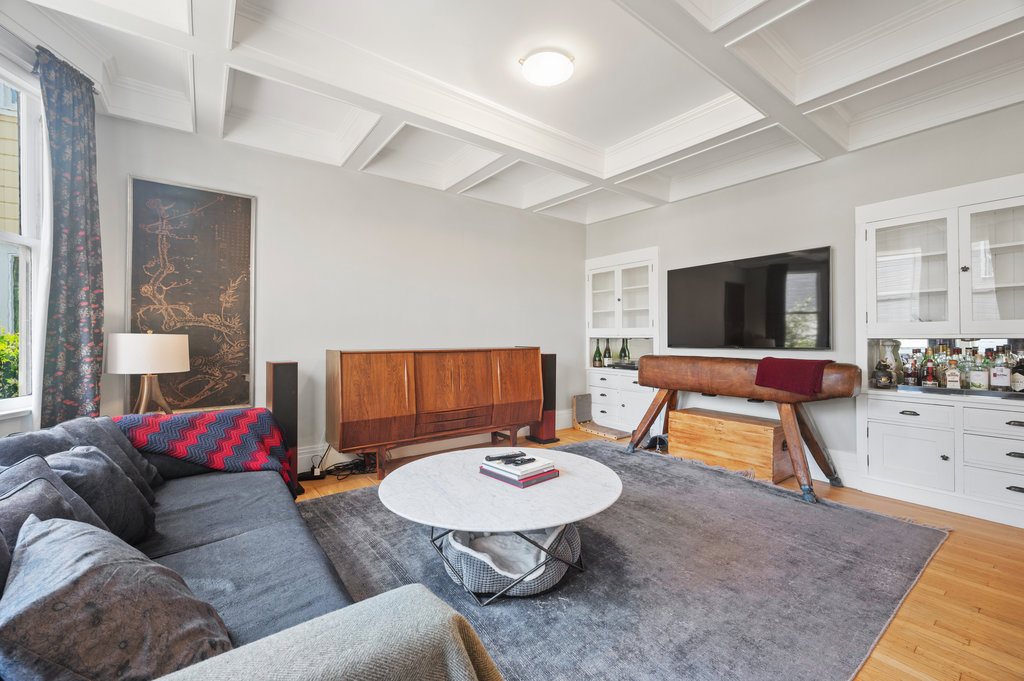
[34, 192]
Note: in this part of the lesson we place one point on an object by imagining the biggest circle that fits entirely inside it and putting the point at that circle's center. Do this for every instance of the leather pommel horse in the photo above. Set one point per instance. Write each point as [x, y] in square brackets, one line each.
[734, 377]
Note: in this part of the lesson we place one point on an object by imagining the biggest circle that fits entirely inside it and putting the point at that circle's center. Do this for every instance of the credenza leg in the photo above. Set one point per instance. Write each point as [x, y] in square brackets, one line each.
[513, 435]
[382, 462]
[791, 429]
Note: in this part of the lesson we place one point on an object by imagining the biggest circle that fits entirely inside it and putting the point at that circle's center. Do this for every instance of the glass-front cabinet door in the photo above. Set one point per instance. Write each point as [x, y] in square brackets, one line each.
[603, 300]
[992, 267]
[912, 282]
[636, 298]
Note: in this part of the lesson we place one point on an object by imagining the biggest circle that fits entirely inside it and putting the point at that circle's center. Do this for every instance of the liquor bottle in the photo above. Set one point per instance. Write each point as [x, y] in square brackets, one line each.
[626, 341]
[928, 377]
[952, 372]
[607, 352]
[623, 355]
[1017, 375]
[911, 375]
[979, 374]
[941, 361]
[999, 373]
[598, 359]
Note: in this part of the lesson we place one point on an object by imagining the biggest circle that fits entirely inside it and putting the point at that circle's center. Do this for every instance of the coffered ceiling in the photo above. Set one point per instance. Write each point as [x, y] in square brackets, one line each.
[670, 98]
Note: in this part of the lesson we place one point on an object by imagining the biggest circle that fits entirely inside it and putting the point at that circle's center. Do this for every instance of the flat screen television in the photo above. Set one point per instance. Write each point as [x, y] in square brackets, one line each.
[773, 301]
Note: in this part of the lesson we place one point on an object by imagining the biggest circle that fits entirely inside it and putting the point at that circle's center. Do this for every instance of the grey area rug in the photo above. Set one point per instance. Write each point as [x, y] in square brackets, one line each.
[694, 573]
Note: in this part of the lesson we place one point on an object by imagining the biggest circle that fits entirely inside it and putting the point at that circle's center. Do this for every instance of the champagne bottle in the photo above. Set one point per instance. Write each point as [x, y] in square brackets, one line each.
[623, 356]
[607, 352]
[598, 359]
[627, 349]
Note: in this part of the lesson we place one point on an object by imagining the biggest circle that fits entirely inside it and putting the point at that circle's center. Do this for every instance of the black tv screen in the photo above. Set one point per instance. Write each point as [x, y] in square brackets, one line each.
[773, 301]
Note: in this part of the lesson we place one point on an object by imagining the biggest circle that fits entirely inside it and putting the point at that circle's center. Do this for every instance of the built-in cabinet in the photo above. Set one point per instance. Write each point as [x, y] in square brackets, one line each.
[622, 303]
[622, 294]
[950, 265]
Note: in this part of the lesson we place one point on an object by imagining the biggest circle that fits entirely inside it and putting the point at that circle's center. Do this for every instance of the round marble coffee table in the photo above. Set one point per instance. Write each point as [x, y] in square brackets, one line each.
[447, 492]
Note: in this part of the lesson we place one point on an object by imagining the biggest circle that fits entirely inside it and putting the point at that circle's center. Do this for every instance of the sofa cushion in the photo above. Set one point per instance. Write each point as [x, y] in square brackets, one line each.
[149, 472]
[170, 467]
[18, 446]
[107, 490]
[34, 497]
[87, 431]
[121, 616]
[36, 467]
[201, 509]
[264, 580]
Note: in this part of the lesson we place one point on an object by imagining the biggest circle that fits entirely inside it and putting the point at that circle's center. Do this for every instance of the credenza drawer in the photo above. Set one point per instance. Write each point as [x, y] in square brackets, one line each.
[912, 413]
[997, 486]
[994, 421]
[456, 424]
[1000, 452]
[453, 414]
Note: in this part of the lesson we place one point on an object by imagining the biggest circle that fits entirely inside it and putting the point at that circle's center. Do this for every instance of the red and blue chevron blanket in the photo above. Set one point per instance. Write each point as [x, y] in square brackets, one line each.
[234, 440]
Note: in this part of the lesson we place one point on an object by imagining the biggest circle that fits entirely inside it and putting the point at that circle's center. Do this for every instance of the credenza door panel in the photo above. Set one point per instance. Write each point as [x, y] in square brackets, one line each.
[378, 391]
[452, 380]
[518, 389]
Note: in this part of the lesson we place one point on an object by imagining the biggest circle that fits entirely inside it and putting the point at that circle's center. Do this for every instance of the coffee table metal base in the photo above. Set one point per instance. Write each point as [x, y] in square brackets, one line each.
[437, 541]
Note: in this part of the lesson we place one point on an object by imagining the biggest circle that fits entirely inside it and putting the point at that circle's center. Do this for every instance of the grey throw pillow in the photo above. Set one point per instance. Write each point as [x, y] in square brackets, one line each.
[36, 467]
[121, 616]
[87, 431]
[33, 497]
[17, 446]
[107, 490]
[149, 472]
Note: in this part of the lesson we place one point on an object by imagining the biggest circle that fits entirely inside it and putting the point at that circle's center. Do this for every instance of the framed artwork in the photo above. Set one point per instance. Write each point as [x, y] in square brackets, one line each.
[190, 254]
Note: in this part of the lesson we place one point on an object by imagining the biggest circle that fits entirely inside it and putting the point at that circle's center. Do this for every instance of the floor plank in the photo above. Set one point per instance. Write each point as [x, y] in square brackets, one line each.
[964, 619]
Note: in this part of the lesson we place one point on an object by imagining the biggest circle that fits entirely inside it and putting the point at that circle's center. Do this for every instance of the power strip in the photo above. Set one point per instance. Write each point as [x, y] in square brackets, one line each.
[313, 474]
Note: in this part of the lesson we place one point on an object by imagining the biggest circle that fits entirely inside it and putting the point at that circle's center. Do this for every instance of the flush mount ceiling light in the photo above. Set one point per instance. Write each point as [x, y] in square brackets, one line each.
[547, 68]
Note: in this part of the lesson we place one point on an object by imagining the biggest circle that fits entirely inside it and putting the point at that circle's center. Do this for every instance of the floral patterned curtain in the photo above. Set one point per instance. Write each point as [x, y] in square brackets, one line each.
[73, 358]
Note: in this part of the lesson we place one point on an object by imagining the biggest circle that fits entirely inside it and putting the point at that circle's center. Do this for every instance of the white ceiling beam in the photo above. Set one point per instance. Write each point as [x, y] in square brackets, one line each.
[212, 25]
[757, 18]
[475, 178]
[104, 15]
[667, 19]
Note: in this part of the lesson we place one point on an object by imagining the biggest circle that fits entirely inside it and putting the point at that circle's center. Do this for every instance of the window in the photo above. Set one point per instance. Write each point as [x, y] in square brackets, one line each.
[21, 155]
[804, 316]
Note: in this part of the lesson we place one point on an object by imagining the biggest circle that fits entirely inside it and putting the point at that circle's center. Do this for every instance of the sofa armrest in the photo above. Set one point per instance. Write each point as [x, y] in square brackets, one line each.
[406, 633]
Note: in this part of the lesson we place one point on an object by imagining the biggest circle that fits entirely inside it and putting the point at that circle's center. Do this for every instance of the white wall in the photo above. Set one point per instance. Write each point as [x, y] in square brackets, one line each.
[813, 206]
[346, 260]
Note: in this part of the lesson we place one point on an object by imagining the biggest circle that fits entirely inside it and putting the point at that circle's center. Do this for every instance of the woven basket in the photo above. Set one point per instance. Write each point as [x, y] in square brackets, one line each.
[480, 571]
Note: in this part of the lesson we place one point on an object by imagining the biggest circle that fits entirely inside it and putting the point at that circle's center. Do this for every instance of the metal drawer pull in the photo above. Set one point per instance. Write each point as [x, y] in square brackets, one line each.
[908, 412]
[1015, 423]
[1014, 488]
[636, 382]
[1015, 455]
[604, 378]
[944, 457]
[603, 411]
[603, 395]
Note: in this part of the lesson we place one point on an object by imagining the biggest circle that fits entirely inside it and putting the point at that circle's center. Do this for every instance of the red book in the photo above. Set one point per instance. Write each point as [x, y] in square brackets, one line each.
[525, 482]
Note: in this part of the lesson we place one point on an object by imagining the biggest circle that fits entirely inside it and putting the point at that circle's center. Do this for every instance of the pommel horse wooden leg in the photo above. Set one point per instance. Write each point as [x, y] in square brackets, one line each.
[791, 429]
[821, 456]
[661, 400]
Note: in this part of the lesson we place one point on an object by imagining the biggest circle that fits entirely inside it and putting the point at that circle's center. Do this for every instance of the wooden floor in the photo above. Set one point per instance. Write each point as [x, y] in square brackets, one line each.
[964, 619]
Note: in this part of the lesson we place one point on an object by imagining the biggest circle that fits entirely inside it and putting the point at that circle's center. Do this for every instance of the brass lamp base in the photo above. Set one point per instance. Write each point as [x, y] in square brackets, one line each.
[150, 390]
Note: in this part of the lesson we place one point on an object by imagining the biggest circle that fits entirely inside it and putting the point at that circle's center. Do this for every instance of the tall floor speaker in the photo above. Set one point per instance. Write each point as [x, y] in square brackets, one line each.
[283, 401]
[544, 431]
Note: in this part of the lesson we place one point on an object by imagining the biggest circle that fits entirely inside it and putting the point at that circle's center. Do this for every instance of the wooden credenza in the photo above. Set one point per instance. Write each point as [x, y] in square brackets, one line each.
[377, 400]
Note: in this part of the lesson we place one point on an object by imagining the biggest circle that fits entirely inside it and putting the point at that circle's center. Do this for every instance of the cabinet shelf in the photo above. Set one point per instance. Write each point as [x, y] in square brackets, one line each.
[905, 254]
[908, 295]
[602, 290]
[635, 288]
[990, 287]
[979, 245]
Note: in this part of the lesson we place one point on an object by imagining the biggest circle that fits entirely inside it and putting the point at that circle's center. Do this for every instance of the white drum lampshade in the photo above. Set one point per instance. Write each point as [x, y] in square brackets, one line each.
[147, 354]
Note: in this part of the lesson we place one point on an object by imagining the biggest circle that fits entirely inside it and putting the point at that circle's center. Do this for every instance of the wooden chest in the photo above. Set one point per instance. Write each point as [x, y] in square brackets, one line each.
[733, 441]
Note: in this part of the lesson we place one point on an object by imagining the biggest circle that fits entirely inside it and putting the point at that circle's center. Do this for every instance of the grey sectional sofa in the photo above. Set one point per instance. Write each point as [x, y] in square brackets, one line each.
[239, 545]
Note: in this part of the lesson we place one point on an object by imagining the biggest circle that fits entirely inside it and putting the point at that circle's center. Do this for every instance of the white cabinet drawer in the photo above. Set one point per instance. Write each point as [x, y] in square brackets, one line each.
[616, 380]
[997, 486]
[916, 456]
[604, 396]
[998, 452]
[913, 413]
[994, 421]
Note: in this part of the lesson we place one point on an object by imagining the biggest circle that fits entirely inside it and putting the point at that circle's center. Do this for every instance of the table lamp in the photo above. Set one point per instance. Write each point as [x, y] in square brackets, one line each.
[147, 354]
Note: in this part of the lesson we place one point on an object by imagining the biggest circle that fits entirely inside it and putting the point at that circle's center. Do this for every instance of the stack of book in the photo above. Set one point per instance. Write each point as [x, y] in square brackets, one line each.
[530, 471]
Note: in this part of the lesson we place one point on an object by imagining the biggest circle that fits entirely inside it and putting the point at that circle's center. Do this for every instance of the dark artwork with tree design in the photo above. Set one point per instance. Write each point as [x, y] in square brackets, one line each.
[191, 274]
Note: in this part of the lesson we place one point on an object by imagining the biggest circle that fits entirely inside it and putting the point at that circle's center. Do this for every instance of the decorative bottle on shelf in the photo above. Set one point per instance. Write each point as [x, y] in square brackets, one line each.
[928, 377]
[979, 374]
[952, 372]
[892, 359]
[911, 372]
[1017, 375]
[999, 373]
[607, 352]
[598, 359]
[627, 349]
[623, 355]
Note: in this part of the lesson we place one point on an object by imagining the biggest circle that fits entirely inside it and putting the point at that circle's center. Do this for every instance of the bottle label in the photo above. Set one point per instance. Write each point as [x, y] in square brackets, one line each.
[952, 379]
[979, 379]
[1000, 377]
[1017, 382]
